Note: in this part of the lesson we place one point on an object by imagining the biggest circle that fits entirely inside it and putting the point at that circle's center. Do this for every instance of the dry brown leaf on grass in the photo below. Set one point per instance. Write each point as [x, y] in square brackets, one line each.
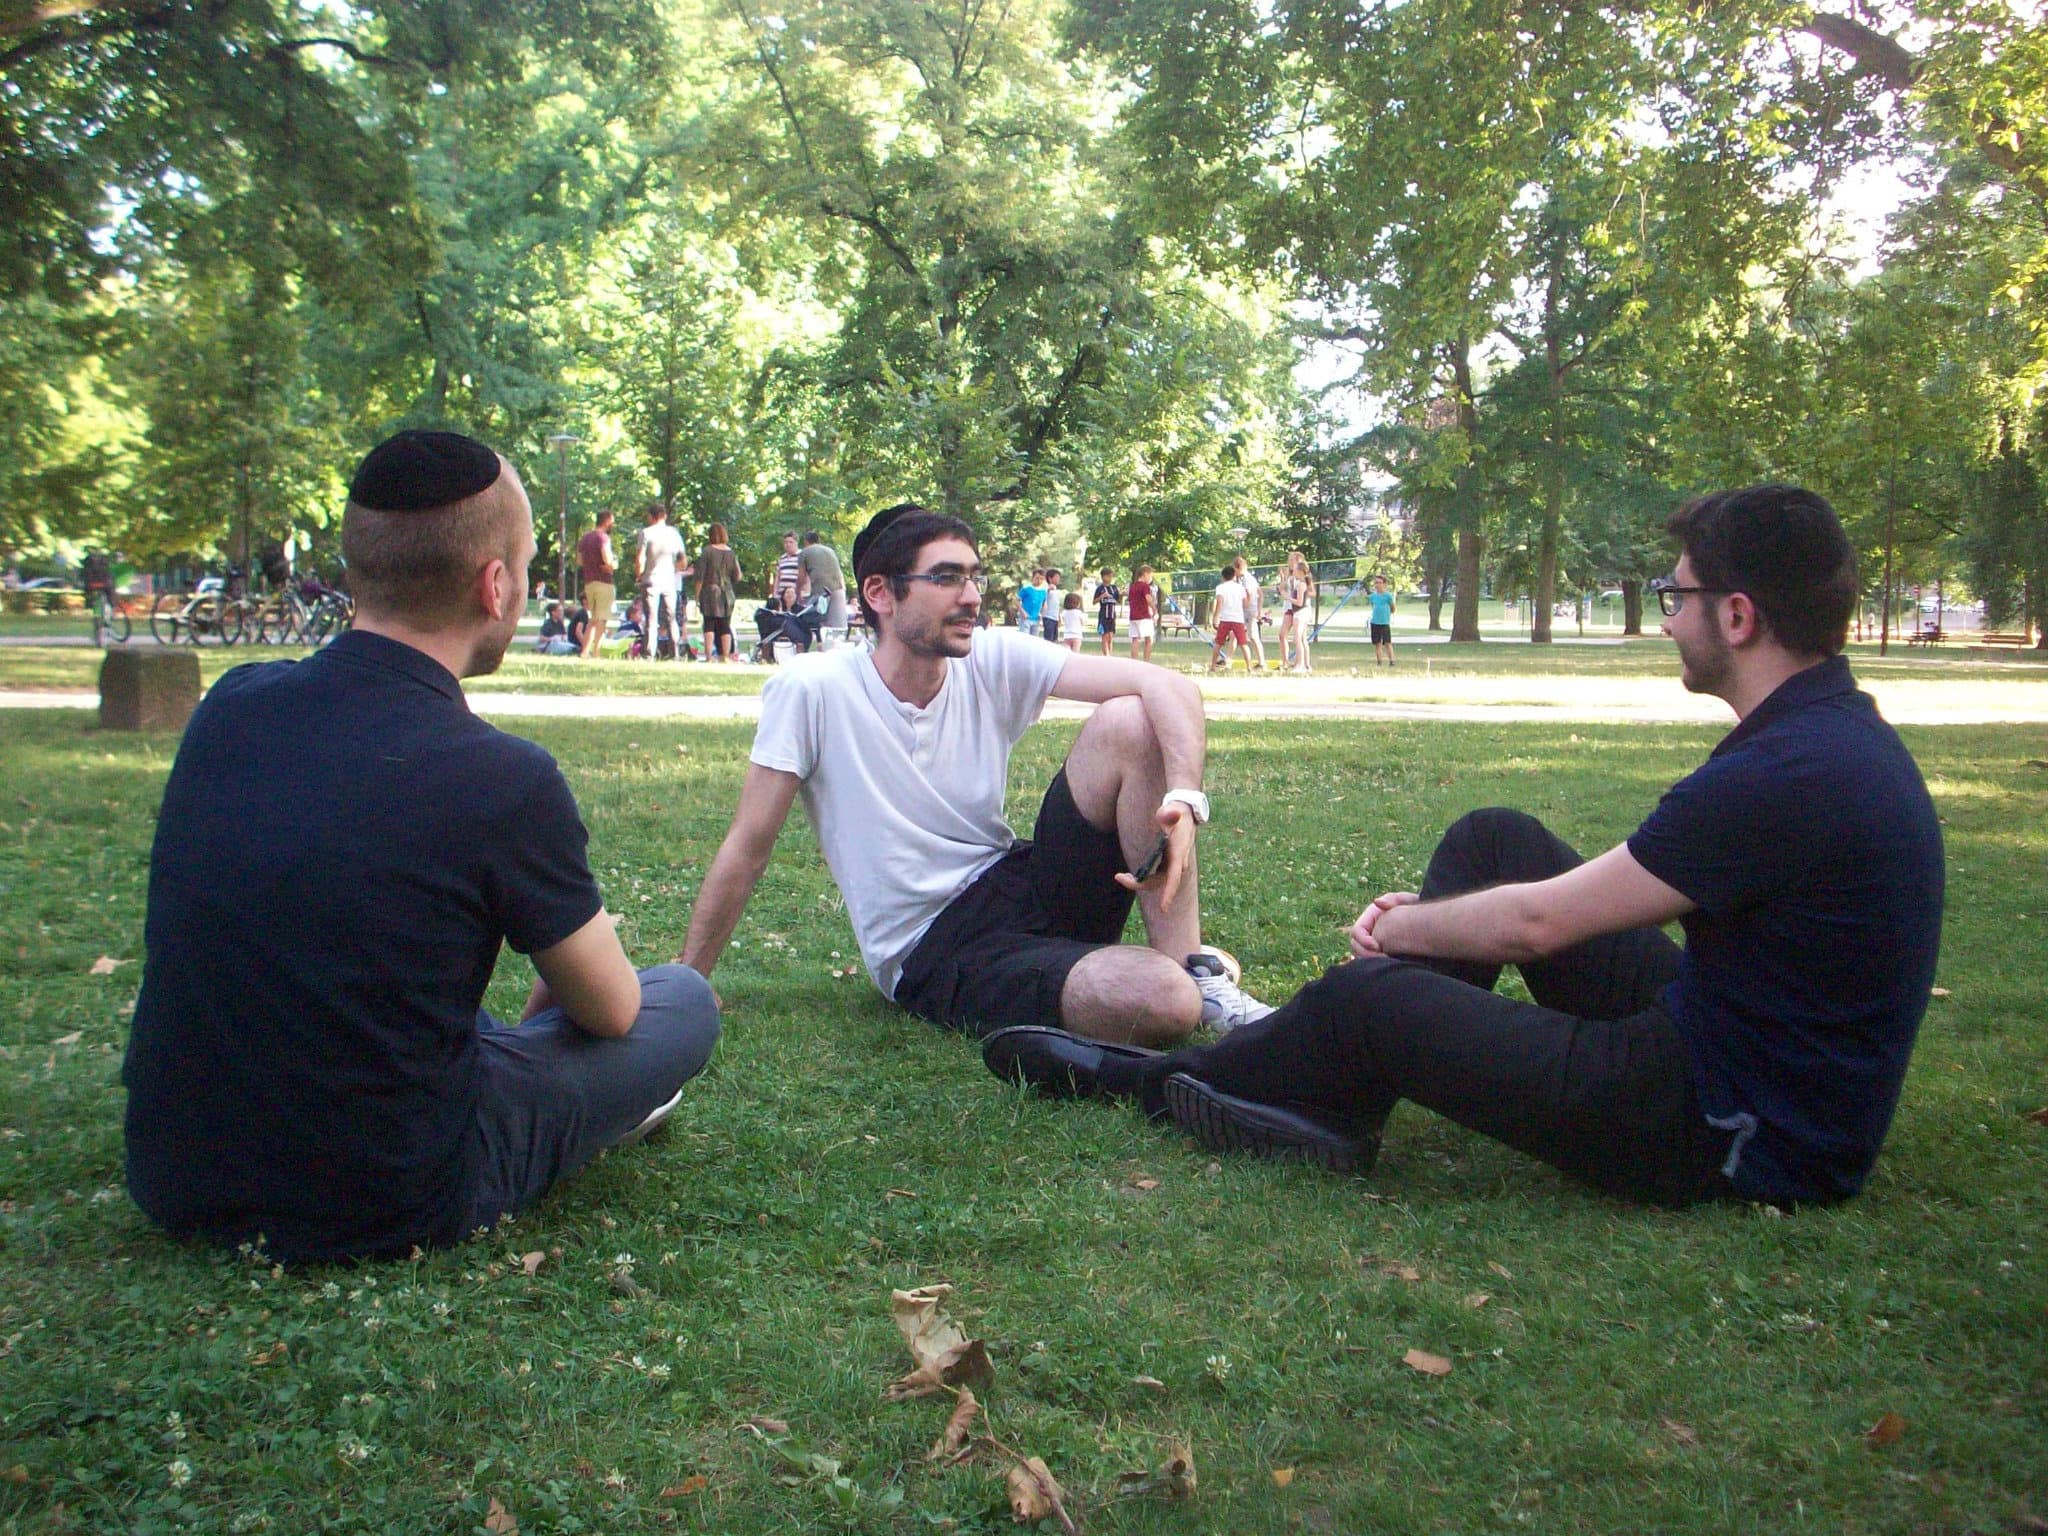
[106, 965]
[2040, 1116]
[954, 1440]
[1938, 992]
[531, 1262]
[1282, 1476]
[945, 1356]
[1499, 1269]
[18, 1473]
[1173, 1477]
[696, 1482]
[1886, 1430]
[762, 1425]
[1149, 1381]
[272, 1355]
[1477, 1300]
[1430, 1365]
[499, 1521]
[1684, 1434]
[1143, 1183]
[71, 1039]
[1036, 1496]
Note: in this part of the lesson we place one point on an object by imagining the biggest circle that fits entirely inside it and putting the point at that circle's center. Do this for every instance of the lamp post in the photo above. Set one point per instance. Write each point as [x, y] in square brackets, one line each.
[561, 443]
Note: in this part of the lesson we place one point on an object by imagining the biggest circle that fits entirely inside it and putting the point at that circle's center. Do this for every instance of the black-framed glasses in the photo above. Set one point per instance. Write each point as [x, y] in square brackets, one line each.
[1671, 596]
[951, 578]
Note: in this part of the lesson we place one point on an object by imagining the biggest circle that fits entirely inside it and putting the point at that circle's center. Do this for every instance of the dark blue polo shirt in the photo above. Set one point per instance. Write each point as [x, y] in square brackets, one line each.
[1811, 847]
[341, 851]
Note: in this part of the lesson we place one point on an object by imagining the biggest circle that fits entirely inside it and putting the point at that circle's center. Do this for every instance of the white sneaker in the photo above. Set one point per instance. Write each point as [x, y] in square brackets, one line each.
[1225, 1005]
[659, 1117]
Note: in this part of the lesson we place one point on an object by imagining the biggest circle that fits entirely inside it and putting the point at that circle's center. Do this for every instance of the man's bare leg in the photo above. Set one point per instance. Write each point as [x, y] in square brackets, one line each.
[1124, 992]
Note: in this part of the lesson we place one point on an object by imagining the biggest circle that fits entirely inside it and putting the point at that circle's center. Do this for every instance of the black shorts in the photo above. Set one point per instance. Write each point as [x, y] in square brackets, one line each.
[1383, 634]
[718, 626]
[1000, 952]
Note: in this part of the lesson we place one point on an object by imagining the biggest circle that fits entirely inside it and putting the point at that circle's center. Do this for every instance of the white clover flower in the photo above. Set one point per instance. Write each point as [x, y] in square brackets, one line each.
[1218, 1367]
[354, 1451]
[179, 1472]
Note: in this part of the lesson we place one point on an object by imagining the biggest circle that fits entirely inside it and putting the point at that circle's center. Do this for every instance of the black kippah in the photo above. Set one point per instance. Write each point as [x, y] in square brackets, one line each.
[415, 471]
[865, 539]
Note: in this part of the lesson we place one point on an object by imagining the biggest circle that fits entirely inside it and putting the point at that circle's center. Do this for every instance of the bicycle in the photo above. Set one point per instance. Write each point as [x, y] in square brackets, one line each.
[331, 613]
[283, 619]
[110, 616]
[188, 618]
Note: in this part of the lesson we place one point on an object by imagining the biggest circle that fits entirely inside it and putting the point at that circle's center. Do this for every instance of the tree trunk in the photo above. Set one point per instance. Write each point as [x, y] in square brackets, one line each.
[1553, 466]
[1465, 511]
[1631, 607]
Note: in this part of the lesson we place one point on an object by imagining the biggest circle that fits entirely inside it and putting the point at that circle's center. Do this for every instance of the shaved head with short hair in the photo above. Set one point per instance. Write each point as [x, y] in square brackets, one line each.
[417, 566]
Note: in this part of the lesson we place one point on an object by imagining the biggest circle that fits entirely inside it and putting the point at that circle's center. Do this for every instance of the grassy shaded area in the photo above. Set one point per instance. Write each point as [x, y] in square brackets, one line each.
[1612, 1369]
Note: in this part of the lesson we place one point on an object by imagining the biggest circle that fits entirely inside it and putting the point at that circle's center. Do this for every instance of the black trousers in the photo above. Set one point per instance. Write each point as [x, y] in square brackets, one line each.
[1591, 1078]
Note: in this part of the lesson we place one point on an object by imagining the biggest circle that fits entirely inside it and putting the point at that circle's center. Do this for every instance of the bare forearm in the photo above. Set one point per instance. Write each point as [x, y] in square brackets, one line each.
[1495, 927]
[1173, 708]
[728, 886]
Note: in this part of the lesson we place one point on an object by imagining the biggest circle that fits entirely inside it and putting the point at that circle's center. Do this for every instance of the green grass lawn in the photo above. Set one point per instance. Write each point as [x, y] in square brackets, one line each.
[1612, 1369]
[1343, 670]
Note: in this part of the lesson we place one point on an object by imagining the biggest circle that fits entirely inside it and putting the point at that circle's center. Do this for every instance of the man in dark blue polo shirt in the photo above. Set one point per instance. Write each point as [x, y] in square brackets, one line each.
[342, 850]
[1762, 1060]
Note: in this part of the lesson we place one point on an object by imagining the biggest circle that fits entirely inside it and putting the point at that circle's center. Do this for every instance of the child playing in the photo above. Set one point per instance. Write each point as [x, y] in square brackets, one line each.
[1070, 622]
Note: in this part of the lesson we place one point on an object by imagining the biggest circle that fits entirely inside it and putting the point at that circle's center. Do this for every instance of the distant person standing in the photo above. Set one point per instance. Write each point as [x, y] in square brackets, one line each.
[1055, 601]
[1382, 602]
[661, 566]
[1144, 599]
[1031, 601]
[599, 563]
[789, 574]
[1297, 593]
[1254, 609]
[718, 580]
[1230, 616]
[1106, 599]
[1071, 623]
[820, 565]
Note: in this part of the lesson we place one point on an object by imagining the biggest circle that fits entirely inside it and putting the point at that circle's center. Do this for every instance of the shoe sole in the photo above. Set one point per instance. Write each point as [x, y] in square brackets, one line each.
[1225, 1124]
[1057, 1083]
[651, 1124]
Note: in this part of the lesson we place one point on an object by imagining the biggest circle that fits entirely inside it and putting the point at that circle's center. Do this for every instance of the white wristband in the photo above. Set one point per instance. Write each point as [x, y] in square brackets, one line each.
[1193, 799]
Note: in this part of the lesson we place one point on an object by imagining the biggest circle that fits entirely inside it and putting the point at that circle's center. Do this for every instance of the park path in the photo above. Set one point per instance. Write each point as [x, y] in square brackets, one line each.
[1563, 700]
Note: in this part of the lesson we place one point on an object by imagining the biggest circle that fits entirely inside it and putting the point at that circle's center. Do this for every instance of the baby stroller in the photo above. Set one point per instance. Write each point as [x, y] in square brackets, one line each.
[799, 629]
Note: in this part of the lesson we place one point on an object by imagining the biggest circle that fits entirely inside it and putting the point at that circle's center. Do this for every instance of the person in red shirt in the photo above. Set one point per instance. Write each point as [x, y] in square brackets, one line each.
[598, 562]
[1142, 595]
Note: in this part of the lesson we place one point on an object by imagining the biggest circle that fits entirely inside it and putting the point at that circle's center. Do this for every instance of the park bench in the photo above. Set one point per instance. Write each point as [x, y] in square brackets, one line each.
[1932, 634]
[2003, 642]
[1174, 620]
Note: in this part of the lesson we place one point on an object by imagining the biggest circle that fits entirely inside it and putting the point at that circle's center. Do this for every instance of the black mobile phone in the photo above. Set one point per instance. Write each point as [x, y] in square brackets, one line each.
[1153, 860]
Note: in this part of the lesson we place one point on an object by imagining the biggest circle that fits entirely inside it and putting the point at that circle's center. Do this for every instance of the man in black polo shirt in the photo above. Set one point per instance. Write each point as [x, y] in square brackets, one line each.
[1762, 1060]
[341, 852]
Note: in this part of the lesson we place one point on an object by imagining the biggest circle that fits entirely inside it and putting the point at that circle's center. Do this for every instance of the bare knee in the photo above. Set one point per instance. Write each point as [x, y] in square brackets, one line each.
[1130, 995]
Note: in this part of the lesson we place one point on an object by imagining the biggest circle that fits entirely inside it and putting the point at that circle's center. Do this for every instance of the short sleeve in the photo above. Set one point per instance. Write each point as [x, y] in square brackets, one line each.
[1019, 672]
[787, 737]
[544, 881]
[1718, 835]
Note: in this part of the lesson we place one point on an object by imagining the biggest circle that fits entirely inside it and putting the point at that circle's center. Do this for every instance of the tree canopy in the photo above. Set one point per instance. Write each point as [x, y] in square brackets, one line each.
[1054, 265]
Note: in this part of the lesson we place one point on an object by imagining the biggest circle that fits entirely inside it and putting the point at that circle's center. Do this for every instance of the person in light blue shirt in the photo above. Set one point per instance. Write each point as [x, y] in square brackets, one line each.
[1382, 602]
[1031, 602]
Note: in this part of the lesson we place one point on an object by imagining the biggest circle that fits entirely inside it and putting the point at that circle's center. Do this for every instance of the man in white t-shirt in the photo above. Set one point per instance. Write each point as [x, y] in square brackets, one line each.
[901, 755]
[1231, 608]
[661, 563]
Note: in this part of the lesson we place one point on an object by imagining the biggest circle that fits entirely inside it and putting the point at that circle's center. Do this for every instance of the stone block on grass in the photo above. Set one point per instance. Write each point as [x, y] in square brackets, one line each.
[148, 689]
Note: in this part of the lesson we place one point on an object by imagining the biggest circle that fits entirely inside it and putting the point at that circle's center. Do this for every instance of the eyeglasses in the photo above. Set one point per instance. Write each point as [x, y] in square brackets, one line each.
[950, 578]
[1671, 596]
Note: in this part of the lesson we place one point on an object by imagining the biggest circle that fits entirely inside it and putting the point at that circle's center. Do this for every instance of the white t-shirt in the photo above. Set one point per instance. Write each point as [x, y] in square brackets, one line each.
[1070, 623]
[907, 803]
[661, 547]
[1230, 601]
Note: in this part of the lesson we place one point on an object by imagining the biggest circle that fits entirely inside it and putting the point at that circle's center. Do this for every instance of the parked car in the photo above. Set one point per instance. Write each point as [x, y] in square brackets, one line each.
[45, 584]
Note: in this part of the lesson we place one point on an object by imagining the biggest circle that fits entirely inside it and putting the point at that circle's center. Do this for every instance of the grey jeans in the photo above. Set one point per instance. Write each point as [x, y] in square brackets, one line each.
[554, 1097]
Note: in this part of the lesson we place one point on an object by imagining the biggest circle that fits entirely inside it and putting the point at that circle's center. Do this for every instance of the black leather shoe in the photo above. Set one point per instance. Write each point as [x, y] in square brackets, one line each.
[1056, 1063]
[1226, 1124]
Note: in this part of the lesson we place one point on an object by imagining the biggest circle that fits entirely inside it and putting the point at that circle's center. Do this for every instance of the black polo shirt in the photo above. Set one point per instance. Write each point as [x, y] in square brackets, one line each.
[1811, 847]
[342, 848]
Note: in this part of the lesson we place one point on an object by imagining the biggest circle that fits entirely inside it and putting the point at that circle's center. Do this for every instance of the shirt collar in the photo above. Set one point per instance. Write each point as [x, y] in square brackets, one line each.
[360, 648]
[1824, 680]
